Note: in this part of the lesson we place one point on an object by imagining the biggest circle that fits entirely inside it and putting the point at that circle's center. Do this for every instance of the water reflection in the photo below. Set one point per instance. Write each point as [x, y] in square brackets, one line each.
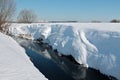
[67, 64]
[70, 67]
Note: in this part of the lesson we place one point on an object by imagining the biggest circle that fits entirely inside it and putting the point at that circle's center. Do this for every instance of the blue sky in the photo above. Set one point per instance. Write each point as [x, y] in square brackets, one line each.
[81, 10]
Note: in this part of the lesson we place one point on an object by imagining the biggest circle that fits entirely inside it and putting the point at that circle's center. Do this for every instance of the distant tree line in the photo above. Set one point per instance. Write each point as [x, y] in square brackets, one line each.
[62, 21]
[115, 21]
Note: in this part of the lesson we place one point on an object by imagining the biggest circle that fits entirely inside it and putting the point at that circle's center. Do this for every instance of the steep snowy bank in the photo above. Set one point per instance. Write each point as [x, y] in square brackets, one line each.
[35, 30]
[92, 44]
[14, 63]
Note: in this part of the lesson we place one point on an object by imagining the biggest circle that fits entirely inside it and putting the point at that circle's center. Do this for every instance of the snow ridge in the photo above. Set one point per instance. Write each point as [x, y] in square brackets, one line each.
[14, 63]
[94, 45]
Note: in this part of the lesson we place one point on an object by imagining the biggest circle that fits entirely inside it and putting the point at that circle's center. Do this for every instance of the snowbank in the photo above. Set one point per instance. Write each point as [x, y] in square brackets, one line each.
[35, 30]
[14, 63]
[92, 44]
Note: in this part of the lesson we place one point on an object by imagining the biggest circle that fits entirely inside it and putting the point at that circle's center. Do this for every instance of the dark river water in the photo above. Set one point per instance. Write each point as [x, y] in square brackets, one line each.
[58, 67]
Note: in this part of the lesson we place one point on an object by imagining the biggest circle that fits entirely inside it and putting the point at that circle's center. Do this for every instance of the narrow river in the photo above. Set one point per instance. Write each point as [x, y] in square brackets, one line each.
[57, 67]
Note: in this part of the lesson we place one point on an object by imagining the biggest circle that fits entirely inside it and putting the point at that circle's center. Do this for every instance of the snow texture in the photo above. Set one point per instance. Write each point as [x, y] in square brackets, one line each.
[14, 63]
[94, 45]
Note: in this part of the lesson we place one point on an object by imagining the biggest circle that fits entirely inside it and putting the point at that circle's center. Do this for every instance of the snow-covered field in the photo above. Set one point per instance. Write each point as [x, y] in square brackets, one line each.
[95, 45]
[14, 63]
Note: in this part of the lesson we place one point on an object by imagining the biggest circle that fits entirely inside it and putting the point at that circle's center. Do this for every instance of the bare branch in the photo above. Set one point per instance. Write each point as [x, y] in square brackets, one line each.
[7, 9]
[27, 16]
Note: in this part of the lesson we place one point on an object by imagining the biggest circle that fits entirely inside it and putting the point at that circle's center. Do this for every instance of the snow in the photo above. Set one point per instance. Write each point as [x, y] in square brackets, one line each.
[94, 45]
[34, 31]
[14, 63]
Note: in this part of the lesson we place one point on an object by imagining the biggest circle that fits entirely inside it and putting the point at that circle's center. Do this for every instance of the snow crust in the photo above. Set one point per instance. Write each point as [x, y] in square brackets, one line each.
[96, 45]
[14, 63]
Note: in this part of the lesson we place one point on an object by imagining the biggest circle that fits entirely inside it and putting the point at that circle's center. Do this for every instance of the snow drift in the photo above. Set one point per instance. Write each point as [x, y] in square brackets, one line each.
[14, 63]
[92, 44]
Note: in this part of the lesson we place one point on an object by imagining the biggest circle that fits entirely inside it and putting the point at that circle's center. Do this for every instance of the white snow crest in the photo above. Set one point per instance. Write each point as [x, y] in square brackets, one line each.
[92, 44]
[14, 63]
[35, 30]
